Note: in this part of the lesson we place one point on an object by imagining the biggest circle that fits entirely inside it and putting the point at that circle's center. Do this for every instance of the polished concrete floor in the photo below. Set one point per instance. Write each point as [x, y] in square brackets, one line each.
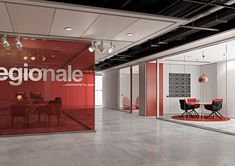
[223, 126]
[122, 139]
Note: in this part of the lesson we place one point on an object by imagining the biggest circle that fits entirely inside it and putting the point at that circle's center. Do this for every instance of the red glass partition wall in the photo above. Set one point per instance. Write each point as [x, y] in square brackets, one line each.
[46, 86]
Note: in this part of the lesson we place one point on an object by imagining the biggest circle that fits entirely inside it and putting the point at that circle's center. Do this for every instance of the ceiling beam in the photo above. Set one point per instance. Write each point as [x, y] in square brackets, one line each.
[125, 4]
[200, 28]
[199, 8]
[211, 4]
[117, 59]
[125, 56]
[168, 7]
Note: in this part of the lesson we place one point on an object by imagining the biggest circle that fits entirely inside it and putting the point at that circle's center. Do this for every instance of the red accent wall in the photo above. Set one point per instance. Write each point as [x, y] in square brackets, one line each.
[77, 100]
[151, 89]
[160, 89]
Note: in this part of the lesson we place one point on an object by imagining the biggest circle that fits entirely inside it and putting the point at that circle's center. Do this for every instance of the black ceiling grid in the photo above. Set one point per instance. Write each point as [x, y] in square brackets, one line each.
[221, 20]
[174, 8]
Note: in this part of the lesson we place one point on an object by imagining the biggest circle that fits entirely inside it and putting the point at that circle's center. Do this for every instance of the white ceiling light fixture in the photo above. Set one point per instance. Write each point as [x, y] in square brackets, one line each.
[5, 43]
[19, 44]
[93, 46]
[203, 78]
[68, 28]
[130, 34]
[101, 47]
[111, 49]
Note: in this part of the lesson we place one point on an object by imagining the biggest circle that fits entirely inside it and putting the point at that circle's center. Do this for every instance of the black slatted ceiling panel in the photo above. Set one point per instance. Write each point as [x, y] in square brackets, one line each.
[174, 8]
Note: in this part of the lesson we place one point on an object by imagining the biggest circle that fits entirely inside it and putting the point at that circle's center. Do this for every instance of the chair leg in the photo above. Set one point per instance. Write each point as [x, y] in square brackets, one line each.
[39, 116]
[62, 121]
[25, 122]
[58, 119]
[12, 121]
[194, 112]
[185, 112]
[189, 114]
[210, 115]
[49, 119]
[218, 115]
[45, 119]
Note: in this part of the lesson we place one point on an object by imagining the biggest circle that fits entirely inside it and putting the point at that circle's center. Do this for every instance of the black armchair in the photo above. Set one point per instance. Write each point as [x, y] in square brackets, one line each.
[215, 107]
[185, 107]
[56, 101]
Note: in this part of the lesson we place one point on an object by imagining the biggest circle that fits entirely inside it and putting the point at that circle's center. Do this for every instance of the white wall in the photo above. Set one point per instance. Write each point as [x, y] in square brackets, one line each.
[209, 89]
[98, 91]
[226, 77]
[124, 87]
[171, 104]
[230, 89]
[111, 89]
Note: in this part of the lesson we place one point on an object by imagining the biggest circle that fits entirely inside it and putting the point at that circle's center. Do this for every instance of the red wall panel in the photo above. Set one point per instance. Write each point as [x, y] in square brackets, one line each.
[151, 89]
[160, 89]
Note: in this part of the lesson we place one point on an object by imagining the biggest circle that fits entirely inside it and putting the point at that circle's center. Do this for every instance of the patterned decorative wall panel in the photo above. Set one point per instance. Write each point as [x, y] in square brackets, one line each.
[179, 85]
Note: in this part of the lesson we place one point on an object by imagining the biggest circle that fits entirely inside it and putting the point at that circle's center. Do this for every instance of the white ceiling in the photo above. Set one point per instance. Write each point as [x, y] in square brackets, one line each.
[107, 26]
[79, 21]
[141, 28]
[50, 19]
[4, 18]
[212, 54]
[30, 19]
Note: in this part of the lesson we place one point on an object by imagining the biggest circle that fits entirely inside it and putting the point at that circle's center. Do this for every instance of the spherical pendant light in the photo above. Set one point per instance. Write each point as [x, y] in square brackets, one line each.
[203, 78]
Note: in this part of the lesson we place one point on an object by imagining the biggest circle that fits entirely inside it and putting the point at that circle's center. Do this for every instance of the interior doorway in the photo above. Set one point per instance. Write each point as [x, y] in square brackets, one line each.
[129, 89]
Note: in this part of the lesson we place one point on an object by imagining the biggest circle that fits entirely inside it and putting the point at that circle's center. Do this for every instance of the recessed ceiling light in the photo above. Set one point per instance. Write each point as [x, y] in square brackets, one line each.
[129, 34]
[53, 56]
[68, 28]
